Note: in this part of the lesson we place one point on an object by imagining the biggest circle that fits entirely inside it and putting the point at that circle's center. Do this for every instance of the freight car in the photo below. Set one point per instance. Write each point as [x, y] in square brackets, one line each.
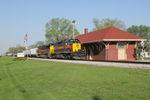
[30, 52]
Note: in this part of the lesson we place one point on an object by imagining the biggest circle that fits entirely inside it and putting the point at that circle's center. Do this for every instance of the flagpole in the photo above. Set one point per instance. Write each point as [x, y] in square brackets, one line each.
[26, 44]
[27, 49]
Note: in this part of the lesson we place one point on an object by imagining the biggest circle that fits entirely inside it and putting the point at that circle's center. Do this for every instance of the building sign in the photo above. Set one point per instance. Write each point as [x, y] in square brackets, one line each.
[121, 46]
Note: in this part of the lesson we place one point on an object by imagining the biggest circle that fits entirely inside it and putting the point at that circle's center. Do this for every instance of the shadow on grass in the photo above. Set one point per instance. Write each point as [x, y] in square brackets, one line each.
[96, 98]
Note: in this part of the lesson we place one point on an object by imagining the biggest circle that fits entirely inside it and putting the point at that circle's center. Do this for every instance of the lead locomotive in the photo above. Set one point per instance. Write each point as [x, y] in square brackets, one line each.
[64, 49]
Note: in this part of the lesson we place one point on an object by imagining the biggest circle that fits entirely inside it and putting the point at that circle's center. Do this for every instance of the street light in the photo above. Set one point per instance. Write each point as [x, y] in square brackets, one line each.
[73, 28]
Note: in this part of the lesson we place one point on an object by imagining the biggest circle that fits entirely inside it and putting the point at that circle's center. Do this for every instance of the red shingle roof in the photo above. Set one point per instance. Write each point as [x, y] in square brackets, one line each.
[110, 33]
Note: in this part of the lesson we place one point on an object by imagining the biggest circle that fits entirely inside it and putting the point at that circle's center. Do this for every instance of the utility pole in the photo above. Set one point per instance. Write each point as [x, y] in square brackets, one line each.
[73, 27]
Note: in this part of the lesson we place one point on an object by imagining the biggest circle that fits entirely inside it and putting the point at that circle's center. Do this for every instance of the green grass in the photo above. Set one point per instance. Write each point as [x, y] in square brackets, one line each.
[43, 80]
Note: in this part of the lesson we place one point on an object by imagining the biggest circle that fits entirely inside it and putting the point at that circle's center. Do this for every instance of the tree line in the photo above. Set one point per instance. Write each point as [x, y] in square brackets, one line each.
[58, 29]
[16, 49]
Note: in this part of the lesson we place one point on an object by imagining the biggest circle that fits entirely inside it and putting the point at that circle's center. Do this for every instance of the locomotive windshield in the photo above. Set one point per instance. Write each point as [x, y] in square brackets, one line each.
[74, 41]
[77, 41]
[67, 42]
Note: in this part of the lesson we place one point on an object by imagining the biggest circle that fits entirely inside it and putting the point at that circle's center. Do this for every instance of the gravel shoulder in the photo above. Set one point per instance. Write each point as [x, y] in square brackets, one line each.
[100, 63]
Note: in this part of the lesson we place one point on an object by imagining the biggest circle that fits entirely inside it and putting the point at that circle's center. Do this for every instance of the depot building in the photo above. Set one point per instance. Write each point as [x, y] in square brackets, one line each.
[109, 44]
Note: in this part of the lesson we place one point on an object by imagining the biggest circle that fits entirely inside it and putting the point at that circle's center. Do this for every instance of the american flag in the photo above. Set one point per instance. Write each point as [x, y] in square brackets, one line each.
[26, 38]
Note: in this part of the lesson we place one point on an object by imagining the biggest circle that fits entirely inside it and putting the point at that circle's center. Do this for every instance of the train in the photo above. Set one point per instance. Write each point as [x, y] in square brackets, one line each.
[65, 49]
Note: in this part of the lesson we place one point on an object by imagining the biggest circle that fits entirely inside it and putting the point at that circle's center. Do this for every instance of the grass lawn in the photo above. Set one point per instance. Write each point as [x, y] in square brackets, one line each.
[43, 80]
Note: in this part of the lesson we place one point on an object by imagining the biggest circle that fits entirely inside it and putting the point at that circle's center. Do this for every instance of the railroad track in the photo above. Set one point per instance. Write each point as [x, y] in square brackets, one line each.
[121, 64]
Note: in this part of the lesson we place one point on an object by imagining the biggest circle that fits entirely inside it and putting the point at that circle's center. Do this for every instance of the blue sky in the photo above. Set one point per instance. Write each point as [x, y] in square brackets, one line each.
[18, 17]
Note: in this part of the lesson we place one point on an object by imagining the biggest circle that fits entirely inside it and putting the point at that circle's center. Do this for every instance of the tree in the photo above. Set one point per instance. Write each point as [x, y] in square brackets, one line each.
[100, 24]
[39, 43]
[142, 31]
[59, 29]
[16, 49]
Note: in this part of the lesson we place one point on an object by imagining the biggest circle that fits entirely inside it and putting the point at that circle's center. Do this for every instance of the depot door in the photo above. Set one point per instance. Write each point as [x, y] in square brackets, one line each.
[121, 52]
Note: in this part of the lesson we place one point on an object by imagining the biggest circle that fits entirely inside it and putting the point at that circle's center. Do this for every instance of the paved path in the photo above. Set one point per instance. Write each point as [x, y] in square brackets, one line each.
[101, 63]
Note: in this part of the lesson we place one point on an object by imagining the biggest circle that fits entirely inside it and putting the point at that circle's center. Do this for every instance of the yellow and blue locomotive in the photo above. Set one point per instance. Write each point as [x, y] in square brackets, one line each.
[64, 49]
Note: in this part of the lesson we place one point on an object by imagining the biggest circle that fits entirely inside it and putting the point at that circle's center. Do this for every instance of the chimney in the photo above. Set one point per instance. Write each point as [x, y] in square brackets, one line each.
[85, 30]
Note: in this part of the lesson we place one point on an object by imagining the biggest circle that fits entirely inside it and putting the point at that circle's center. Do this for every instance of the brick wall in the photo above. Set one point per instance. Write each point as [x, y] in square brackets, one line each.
[100, 55]
[131, 51]
[112, 52]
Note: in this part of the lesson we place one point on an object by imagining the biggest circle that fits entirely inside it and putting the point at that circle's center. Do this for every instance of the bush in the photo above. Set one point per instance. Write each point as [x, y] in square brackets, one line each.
[20, 58]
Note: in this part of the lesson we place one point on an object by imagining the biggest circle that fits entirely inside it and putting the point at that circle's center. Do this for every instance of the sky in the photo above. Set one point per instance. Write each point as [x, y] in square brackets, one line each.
[20, 17]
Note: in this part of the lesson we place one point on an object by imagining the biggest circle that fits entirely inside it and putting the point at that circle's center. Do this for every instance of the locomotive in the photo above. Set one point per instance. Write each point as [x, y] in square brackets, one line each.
[66, 49]
[43, 51]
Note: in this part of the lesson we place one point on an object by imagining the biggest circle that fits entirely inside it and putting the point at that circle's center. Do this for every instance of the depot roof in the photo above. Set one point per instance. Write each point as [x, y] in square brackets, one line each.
[108, 34]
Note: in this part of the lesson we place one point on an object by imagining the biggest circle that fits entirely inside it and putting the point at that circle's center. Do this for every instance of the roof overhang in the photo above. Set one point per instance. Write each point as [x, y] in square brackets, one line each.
[124, 39]
[109, 40]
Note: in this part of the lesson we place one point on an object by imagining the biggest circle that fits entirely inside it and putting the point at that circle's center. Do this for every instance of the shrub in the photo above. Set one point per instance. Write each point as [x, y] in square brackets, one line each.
[20, 58]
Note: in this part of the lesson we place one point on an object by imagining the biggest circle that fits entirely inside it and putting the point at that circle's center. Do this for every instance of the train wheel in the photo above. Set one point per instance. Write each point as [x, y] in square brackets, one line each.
[49, 56]
[70, 56]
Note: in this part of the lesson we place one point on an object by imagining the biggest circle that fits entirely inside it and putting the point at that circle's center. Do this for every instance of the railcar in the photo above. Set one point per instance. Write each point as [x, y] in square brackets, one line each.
[33, 52]
[65, 49]
[26, 52]
[30, 52]
[43, 51]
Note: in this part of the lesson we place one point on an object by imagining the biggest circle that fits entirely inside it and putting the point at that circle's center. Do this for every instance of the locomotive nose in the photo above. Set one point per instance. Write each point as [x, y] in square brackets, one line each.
[76, 47]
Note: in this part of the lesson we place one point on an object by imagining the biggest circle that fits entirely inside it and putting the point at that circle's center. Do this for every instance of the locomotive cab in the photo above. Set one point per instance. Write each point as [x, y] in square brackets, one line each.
[76, 46]
[73, 45]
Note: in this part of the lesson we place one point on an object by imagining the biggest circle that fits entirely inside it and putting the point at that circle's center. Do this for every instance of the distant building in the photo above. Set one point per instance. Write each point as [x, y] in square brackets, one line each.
[109, 44]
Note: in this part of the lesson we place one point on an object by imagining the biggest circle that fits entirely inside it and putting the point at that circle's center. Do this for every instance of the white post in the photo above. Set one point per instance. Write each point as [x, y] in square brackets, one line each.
[142, 53]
